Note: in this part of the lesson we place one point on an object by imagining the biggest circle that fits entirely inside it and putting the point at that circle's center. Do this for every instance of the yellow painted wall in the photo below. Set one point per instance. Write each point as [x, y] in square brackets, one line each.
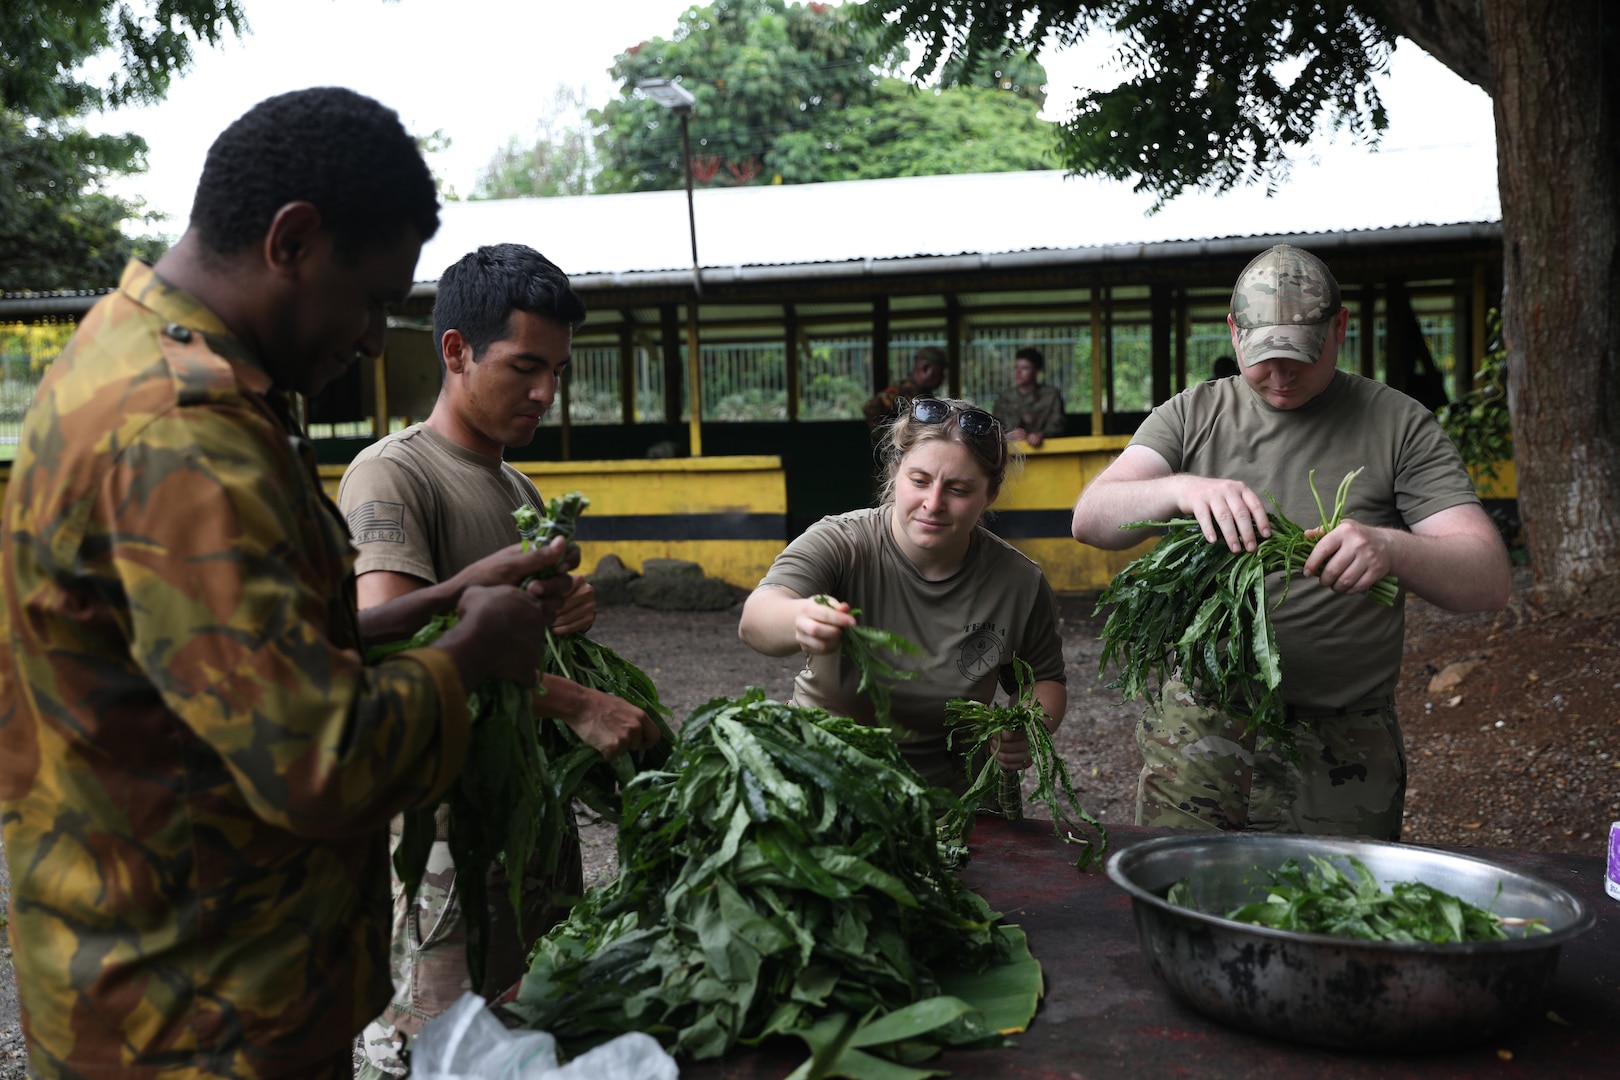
[1051, 480]
[1504, 485]
[719, 485]
[1052, 477]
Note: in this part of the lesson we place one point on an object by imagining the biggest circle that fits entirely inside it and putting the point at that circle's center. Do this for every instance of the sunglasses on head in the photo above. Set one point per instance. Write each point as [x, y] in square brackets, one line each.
[975, 422]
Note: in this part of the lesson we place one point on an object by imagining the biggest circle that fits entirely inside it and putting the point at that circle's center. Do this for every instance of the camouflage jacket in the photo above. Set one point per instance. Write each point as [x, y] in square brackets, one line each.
[1039, 413]
[196, 768]
[884, 406]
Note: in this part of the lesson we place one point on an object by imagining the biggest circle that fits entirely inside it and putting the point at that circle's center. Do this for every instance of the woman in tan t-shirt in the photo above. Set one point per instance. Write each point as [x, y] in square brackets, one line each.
[920, 565]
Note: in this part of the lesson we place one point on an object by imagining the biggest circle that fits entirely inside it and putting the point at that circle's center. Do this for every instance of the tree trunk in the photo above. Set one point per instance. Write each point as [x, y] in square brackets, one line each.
[1555, 77]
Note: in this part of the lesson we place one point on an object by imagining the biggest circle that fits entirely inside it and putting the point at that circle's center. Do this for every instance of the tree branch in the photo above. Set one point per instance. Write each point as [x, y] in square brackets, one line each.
[1451, 31]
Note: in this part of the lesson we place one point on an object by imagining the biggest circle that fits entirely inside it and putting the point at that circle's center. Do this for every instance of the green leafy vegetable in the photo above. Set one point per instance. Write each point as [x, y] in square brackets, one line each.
[783, 877]
[512, 802]
[1199, 608]
[981, 724]
[865, 646]
[1327, 899]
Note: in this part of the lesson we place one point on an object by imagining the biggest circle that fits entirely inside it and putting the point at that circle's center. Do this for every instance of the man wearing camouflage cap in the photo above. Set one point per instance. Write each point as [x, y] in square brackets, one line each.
[1207, 454]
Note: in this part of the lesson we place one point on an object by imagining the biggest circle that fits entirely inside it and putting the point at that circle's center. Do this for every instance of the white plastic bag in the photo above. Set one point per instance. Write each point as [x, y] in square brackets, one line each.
[466, 1042]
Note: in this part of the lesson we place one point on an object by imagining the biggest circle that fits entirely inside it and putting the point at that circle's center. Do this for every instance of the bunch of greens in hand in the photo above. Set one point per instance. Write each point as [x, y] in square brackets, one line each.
[980, 724]
[594, 666]
[1325, 899]
[1199, 608]
[511, 803]
[864, 646]
[783, 877]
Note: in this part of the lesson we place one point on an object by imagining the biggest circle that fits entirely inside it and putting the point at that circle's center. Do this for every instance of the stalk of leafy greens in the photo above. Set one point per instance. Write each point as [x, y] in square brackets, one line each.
[1325, 899]
[594, 666]
[864, 646]
[784, 879]
[512, 802]
[980, 724]
[1199, 608]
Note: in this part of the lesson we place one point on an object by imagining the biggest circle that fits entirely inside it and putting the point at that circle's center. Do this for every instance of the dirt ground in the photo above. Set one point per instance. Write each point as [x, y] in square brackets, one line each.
[1523, 751]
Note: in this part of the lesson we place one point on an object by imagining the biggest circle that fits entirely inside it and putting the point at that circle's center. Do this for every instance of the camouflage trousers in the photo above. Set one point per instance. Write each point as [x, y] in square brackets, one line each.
[1199, 771]
[428, 950]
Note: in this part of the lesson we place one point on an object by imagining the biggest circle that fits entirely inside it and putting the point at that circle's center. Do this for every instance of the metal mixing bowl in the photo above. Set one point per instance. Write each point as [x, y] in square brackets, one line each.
[1334, 991]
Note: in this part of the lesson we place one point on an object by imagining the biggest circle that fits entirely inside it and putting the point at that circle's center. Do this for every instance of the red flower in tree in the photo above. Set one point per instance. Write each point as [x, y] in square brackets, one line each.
[744, 172]
[704, 168]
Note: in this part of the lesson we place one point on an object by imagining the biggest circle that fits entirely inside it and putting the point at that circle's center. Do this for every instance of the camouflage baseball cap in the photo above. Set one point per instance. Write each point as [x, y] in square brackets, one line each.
[1284, 305]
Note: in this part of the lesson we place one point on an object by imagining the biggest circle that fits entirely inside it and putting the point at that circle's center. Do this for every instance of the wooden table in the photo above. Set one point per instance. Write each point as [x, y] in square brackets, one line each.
[1106, 1015]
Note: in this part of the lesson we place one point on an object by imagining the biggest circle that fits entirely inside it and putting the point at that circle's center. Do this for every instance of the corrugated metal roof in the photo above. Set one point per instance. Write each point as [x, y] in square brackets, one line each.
[983, 214]
[944, 222]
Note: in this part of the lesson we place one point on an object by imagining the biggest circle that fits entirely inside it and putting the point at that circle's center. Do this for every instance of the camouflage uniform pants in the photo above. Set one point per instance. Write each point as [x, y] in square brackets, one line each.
[1200, 772]
[428, 951]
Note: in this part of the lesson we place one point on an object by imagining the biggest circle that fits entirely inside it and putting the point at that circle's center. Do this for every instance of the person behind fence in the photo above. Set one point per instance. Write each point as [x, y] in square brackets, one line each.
[920, 564]
[1031, 411]
[1208, 454]
[927, 373]
[429, 500]
[197, 767]
[1223, 367]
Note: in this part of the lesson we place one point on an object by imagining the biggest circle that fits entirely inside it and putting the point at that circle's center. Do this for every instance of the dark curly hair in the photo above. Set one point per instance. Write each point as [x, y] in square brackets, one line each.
[345, 153]
[479, 292]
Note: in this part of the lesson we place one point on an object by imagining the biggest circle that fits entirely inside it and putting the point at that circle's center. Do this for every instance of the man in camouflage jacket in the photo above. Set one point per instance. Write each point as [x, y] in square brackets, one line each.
[927, 373]
[196, 766]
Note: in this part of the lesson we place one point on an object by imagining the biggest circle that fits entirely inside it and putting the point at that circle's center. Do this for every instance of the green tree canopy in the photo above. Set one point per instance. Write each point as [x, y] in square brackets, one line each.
[1216, 95]
[560, 160]
[795, 93]
[910, 132]
[59, 228]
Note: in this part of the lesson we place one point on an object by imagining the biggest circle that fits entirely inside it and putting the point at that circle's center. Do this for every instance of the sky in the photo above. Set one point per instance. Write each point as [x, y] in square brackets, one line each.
[482, 71]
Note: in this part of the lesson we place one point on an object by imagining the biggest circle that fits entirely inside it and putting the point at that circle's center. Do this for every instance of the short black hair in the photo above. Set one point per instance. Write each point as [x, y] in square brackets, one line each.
[1033, 355]
[344, 152]
[479, 292]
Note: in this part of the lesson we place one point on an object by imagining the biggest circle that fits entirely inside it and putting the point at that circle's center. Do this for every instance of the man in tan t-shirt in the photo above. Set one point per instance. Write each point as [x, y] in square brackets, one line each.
[422, 503]
[1206, 454]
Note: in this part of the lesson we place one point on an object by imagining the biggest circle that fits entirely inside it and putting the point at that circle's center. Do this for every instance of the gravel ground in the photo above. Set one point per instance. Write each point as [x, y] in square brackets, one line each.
[13, 1058]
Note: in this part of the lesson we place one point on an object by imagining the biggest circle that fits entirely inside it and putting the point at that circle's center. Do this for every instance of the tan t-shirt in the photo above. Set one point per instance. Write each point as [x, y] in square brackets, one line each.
[419, 504]
[1336, 650]
[969, 626]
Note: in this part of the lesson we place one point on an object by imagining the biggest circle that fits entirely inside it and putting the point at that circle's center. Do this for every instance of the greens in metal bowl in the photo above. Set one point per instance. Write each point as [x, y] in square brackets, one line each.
[1338, 991]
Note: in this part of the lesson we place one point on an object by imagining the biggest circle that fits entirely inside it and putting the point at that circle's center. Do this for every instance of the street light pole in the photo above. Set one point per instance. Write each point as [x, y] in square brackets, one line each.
[678, 100]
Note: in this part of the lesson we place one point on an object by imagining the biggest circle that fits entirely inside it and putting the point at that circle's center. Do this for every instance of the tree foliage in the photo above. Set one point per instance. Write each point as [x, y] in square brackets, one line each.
[560, 160]
[1216, 94]
[807, 92]
[911, 132]
[59, 228]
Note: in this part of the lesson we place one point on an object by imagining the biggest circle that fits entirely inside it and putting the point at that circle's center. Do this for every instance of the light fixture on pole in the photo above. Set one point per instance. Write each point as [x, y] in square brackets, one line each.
[678, 100]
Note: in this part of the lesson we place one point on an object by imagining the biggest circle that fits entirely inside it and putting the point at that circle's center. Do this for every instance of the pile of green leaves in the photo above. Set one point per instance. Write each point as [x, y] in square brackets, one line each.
[1326, 899]
[785, 879]
[512, 802]
[1199, 608]
[980, 724]
[864, 646]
